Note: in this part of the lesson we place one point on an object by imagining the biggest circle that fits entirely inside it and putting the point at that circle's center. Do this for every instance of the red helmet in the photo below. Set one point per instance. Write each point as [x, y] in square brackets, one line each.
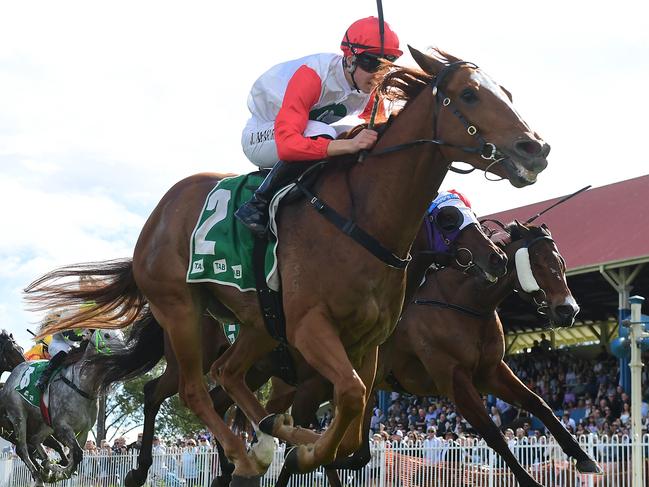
[364, 36]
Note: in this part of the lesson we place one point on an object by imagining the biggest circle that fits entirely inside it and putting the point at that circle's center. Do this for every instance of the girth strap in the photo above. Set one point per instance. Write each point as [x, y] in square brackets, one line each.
[349, 228]
[72, 385]
[270, 301]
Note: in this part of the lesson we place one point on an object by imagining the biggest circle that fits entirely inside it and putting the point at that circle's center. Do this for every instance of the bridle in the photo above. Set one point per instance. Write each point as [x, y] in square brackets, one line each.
[486, 150]
[349, 227]
[542, 304]
[442, 257]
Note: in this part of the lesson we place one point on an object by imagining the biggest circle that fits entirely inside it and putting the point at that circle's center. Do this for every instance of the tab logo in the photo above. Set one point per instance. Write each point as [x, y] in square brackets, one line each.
[236, 271]
[197, 266]
[220, 266]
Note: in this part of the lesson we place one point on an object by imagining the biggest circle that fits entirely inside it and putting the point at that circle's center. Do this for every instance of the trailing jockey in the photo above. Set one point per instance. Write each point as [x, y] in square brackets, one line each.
[295, 106]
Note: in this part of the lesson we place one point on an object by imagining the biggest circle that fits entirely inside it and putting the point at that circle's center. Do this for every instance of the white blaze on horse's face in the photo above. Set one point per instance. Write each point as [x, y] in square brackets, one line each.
[481, 83]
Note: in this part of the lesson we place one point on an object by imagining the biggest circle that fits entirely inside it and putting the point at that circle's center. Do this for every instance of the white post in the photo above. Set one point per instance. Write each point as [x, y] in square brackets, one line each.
[637, 334]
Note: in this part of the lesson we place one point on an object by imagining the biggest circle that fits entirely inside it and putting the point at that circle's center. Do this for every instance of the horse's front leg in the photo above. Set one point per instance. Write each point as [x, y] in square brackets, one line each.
[508, 387]
[230, 371]
[19, 427]
[469, 404]
[317, 340]
[65, 434]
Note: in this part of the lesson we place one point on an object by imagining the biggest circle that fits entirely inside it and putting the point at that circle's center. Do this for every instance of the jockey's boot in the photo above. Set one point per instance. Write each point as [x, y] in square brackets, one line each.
[254, 213]
[54, 363]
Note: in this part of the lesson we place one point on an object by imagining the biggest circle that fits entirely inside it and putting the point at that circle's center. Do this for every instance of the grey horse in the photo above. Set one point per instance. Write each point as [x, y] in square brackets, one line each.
[72, 407]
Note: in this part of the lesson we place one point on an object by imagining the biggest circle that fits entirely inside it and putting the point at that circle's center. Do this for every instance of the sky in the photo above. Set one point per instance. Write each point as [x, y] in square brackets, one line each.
[105, 105]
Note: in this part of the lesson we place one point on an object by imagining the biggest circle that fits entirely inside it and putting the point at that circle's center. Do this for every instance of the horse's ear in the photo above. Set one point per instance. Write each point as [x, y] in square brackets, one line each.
[429, 64]
[509, 95]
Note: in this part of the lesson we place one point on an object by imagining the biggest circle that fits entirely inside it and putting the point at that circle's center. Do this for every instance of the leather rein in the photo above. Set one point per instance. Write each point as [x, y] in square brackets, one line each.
[349, 227]
[541, 305]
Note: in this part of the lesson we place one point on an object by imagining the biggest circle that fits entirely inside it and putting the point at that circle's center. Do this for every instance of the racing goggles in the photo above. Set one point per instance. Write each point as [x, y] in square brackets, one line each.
[371, 63]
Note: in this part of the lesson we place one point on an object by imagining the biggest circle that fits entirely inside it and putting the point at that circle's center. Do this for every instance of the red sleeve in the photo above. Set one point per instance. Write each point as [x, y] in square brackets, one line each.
[302, 92]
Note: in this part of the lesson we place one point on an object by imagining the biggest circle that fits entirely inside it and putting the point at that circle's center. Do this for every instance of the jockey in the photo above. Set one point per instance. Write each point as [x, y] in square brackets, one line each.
[40, 350]
[295, 104]
[63, 341]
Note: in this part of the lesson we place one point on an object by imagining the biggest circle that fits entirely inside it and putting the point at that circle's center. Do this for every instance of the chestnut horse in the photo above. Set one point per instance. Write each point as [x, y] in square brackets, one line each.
[340, 301]
[469, 250]
[450, 342]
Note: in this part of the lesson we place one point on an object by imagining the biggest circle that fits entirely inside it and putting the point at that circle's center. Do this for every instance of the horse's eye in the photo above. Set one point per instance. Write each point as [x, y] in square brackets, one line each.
[469, 96]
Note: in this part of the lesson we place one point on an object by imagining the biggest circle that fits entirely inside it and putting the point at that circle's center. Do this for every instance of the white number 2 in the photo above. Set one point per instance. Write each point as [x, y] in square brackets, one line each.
[24, 380]
[218, 201]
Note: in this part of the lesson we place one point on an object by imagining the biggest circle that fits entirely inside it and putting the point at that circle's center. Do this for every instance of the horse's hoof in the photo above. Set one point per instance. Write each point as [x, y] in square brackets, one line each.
[222, 481]
[589, 466]
[134, 479]
[270, 422]
[239, 481]
[263, 451]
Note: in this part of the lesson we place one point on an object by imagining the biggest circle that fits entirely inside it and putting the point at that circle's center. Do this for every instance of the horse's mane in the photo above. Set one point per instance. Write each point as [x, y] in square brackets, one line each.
[4, 335]
[75, 354]
[398, 84]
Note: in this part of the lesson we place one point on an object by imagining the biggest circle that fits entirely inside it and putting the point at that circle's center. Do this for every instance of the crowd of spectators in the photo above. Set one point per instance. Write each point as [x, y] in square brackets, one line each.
[584, 393]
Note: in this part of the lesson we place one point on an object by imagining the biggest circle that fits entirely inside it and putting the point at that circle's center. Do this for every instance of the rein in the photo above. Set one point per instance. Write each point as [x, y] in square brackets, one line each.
[75, 388]
[348, 226]
[476, 314]
[486, 150]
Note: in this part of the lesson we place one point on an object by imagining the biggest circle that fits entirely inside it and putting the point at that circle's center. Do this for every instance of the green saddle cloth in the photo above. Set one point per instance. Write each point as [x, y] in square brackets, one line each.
[220, 246]
[27, 384]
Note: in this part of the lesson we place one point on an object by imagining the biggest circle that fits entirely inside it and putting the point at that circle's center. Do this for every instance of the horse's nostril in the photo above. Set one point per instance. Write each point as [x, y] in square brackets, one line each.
[565, 311]
[528, 147]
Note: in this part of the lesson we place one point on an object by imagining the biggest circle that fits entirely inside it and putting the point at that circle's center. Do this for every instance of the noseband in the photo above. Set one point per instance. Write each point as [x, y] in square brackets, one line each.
[486, 150]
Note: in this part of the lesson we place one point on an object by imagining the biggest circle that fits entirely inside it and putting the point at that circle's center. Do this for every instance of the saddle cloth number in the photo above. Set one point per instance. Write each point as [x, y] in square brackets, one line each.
[217, 202]
[26, 377]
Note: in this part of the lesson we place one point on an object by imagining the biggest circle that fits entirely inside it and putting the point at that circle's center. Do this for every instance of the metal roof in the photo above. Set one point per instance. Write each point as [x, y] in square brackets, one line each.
[603, 228]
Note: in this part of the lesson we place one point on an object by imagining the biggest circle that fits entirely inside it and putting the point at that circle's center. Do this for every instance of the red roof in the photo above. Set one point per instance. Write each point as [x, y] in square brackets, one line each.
[600, 226]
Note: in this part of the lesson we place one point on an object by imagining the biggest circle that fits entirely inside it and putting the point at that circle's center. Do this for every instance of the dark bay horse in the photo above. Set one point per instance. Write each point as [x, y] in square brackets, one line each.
[11, 354]
[340, 301]
[450, 342]
[465, 247]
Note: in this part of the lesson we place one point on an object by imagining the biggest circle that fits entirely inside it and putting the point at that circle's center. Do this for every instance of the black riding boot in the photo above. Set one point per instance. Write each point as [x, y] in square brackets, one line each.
[55, 362]
[254, 213]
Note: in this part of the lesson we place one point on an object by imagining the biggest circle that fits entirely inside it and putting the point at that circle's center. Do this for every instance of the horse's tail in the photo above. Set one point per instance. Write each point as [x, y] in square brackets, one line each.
[111, 299]
[240, 421]
[144, 349]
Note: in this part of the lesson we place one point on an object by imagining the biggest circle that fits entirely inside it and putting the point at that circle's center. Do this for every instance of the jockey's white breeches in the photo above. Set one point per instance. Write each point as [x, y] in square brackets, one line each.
[258, 139]
[57, 345]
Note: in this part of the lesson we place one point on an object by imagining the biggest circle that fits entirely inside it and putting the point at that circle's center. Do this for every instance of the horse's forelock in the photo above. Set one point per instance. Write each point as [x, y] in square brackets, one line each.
[441, 56]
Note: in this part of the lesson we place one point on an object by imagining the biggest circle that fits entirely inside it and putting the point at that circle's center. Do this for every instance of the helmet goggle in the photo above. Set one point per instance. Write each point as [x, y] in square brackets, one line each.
[371, 63]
